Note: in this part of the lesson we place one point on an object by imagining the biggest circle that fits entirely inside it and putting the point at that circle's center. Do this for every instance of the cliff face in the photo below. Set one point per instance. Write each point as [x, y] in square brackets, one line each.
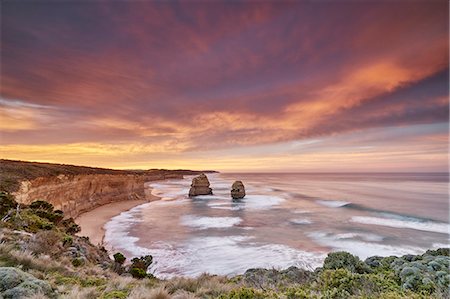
[77, 189]
[75, 194]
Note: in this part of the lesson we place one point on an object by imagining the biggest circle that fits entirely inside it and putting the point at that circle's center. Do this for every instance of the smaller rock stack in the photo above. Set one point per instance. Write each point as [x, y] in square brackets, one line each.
[237, 190]
[200, 186]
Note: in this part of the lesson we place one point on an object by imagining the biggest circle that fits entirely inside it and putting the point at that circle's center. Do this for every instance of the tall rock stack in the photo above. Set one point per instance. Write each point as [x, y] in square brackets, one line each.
[237, 190]
[200, 186]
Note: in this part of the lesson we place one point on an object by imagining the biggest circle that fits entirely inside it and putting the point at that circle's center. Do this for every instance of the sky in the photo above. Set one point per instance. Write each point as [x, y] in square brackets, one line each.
[256, 86]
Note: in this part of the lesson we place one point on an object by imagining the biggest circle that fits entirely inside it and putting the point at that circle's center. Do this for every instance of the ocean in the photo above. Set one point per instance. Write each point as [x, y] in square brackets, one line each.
[286, 219]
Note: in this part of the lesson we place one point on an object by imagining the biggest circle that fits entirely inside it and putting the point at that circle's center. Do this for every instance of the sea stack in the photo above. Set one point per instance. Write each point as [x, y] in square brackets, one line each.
[200, 186]
[237, 190]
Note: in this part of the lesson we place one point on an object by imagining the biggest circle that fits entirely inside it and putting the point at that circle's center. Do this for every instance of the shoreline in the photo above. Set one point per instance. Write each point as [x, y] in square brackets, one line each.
[92, 222]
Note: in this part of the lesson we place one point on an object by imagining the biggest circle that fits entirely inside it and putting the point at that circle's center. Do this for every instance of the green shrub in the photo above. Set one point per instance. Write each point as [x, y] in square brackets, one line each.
[142, 262]
[440, 251]
[7, 203]
[92, 281]
[244, 293]
[119, 258]
[41, 205]
[345, 260]
[70, 226]
[77, 262]
[67, 240]
[340, 279]
[115, 295]
[27, 220]
[15, 283]
[47, 226]
[138, 273]
[51, 216]
[300, 293]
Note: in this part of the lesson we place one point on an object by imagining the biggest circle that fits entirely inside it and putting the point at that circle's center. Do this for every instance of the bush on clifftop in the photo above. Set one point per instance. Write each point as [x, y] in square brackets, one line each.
[119, 258]
[345, 260]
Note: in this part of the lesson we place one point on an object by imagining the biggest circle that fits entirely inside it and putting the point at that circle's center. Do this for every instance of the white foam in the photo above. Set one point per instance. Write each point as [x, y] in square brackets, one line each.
[261, 202]
[301, 221]
[228, 205]
[250, 202]
[229, 255]
[430, 226]
[209, 222]
[364, 236]
[236, 208]
[332, 203]
[300, 211]
[440, 245]
[209, 197]
[363, 249]
[117, 235]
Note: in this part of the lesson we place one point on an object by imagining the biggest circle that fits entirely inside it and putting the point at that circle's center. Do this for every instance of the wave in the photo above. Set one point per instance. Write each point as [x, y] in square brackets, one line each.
[232, 205]
[169, 190]
[117, 235]
[360, 244]
[430, 226]
[388, 214]
[332, 203]
[300, 221]
[227, 255]
[384, 213]
[249, 202]
[209, 222]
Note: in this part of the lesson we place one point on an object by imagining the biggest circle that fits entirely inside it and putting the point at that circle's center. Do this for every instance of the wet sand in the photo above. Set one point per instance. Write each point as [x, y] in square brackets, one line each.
[92, 222]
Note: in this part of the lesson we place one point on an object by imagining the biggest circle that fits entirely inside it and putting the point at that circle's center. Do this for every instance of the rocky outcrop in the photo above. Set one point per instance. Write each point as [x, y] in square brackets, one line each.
[15, 283]
[237, 190]
[200, 186]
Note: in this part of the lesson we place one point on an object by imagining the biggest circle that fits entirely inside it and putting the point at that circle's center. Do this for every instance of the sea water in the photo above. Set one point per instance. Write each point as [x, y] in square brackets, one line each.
[286, 219]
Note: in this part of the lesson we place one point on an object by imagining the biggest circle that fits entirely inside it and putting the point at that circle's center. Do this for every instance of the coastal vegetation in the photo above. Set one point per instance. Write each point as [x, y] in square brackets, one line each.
[42, 257]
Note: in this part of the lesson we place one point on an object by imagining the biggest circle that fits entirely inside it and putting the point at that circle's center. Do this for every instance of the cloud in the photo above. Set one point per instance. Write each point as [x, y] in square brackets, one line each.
[186, 78]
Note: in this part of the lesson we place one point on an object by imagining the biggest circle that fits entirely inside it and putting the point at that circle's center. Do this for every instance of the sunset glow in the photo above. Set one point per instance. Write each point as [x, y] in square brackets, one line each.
[229, 86]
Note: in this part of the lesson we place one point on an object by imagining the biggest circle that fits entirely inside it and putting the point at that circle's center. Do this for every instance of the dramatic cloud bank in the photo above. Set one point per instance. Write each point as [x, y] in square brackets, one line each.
[302, 86]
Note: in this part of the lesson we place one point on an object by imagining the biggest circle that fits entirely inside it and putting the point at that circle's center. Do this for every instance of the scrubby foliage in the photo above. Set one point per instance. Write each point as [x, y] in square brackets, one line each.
[53, 262]
[119, 258]
[38, 216]
[7, 203]
[345, 260]
[139, 266]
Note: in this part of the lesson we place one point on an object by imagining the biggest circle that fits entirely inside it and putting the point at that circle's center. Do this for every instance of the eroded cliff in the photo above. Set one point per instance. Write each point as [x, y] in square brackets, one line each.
[75, 194]
[75, 190]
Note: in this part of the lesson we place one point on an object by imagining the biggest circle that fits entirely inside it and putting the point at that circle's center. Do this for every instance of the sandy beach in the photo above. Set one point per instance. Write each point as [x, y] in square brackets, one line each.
[92, 222]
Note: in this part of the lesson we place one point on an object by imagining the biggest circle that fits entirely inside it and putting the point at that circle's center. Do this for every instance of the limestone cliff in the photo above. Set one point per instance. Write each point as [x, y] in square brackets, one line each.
[75, 194]
[74, 189]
